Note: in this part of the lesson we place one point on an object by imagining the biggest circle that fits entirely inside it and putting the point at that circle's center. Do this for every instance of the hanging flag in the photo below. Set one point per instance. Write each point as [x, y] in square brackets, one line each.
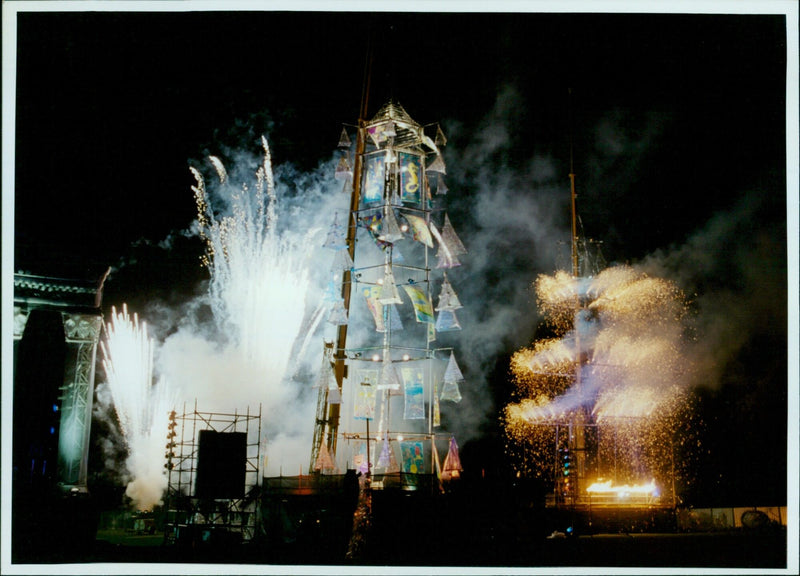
[338, 315]
[447, 321]
[410, 174]
[371, 295]
[413, 457]
[388, 379]
[436, 464]
[343, 170]
[451, 238]
[448, 300]
[377, 133]
[450, 392]
[341, 261]
[422, 307]
[389, 292]
[413, 380]
[452, 462]
[360, 461]
[453, 373]
[431, 333]
[373, 223]
[420, 230]
[374, 177]
[447, 259]
[441, 187]
[437, 165]
[364, 408]
[437, 416]
[439, 138]
[344, 139]
[324, 460]
[336, 235]
[390, 230]
[385, 458]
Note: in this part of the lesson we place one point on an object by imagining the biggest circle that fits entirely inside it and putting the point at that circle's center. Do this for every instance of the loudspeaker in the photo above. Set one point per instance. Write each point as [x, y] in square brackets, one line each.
[221, 465]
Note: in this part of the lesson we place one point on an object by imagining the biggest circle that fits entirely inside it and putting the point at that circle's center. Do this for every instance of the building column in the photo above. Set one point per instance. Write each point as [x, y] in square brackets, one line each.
[81, 333]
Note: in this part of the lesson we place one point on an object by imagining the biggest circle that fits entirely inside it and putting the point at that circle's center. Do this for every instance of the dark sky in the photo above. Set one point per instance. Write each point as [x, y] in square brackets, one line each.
[674, 119]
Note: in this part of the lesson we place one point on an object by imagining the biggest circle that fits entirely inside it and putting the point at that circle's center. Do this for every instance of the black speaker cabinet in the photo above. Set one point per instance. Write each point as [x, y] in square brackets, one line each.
[221, 465]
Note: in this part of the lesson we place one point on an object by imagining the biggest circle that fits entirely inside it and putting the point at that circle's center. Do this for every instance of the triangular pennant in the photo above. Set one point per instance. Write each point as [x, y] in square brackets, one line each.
[324, 460]
[343, 170]
[452, 462]
[446, 259]
[390, 230]
[450, 392]
[344, 139]
[420, 230]
[338, 315]
[336, 235]
[342, 261]
[447, 321]
[389, 379]
[389, 293]
[440, 139]
[451, 238]
[385, 458]
[452, 373]
[437, 165]
[436, 463]
[348, 186]
[448, 300]
[393, 465]
[441, 187]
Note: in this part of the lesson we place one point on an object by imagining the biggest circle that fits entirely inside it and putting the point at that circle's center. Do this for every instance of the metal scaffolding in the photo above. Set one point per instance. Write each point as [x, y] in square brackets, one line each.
[190, 518]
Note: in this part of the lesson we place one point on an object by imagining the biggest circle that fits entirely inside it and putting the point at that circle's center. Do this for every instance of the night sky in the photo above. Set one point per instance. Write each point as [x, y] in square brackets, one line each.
[677, 124]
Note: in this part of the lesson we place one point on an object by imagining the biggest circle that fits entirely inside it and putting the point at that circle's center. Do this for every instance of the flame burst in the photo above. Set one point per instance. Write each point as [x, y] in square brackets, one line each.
[616, 363]
[142, 408]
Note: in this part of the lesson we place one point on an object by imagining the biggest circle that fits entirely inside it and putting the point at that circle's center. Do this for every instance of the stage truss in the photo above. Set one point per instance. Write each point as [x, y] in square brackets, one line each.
[192, 519]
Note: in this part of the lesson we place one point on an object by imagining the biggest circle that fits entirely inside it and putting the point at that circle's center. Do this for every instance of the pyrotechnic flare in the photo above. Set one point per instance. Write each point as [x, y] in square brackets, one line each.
[142, 408]
[617, 357]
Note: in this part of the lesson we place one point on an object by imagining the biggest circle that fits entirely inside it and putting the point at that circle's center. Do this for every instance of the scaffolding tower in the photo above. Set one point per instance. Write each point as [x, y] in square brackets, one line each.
[192, 517]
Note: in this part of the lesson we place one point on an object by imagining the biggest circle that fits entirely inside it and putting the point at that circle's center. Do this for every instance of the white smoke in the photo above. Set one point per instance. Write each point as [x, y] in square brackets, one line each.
[267, 276]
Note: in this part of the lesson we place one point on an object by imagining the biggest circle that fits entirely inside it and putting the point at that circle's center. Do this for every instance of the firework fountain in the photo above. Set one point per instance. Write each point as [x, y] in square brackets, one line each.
[141, 406]
[259, 278]
[614, 370]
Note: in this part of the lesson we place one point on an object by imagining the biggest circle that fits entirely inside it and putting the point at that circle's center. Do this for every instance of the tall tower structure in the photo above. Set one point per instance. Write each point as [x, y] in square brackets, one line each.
[382, 380]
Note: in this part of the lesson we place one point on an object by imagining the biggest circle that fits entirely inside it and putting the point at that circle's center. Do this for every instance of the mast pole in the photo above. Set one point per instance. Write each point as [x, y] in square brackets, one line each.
[339, 367]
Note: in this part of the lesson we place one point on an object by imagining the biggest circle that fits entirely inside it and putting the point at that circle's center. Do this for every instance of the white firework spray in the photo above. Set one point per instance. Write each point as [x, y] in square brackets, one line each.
[142, 408]
[259, 282]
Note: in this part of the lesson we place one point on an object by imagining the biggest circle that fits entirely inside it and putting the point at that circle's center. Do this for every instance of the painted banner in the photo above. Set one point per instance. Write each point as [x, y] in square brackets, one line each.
[365, 390]
[410, 177]
[413, 457]
[422, 306]
[374, 177]
[413, 380]
[420, 230]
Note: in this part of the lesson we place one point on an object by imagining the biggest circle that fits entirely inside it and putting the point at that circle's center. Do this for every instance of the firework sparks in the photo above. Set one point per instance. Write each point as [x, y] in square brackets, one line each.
[259, 277]
[617, 359]
[141, 406]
